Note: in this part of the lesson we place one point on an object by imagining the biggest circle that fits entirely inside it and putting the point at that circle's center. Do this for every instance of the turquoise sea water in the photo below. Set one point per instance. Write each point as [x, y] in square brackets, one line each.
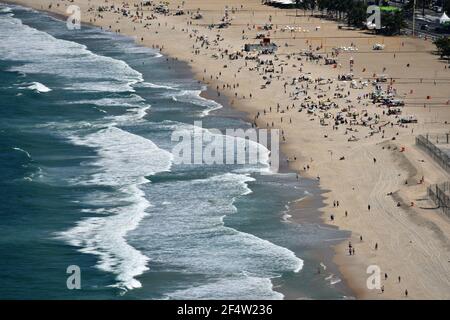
[87, 178]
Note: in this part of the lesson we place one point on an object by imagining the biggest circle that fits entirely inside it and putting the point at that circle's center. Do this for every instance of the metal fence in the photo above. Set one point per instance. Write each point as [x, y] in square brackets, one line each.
[439, 193]
[437, 154]
[443, 138]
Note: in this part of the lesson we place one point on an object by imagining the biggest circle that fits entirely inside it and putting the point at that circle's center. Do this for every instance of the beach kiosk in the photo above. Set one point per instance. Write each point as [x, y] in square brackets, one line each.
[265, 47]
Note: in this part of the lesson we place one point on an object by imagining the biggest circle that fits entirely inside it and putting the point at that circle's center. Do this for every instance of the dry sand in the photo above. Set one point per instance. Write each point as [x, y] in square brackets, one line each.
[412, 242]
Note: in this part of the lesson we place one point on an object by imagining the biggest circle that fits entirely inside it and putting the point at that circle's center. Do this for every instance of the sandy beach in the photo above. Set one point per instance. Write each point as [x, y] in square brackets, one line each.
[374, 176]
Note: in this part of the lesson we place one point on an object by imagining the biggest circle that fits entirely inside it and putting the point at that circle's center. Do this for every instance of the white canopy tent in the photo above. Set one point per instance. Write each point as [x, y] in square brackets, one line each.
[444, 19]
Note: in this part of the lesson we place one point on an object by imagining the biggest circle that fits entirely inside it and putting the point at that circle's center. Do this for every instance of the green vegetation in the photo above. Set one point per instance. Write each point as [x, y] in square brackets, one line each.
[389, 9]
[392, 22]
[354, 13]
[443, 47]
[351, 11]
[357, 14]
[447, 7]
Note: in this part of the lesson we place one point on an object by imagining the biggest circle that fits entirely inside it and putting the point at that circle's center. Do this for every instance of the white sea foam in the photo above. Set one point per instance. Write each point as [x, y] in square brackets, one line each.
[136, 108]
[130, 101]
[248, 288]
[157, 86]
[193, 237]
[41, 53]
[194, 97]
[333, 279]
[124, 160]
[101, 110]
[253, 149]
[5, 10]
[23, 151]
[70, 125]
[124, 157]
[102, 86]
[135, 49]
[286, 217]
[105, 237]
[133, 116]
[37, 173]
[39, 87]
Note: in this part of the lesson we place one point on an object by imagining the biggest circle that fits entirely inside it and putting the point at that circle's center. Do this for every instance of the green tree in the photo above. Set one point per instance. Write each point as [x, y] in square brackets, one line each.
[310, 5]
[392, 22]
[446, 7]
[443, 46]
[323, 5]
[343, 6]
[357, 14]
[298, 4]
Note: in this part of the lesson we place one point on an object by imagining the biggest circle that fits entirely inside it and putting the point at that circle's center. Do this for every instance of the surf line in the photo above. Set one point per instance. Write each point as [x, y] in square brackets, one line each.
[200, 311]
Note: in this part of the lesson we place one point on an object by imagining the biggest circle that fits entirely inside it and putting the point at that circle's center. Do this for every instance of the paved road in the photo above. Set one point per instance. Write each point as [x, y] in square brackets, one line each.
[430, 19]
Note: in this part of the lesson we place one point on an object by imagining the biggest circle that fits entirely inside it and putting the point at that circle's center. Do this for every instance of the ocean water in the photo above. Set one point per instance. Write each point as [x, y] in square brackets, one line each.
[87, 178]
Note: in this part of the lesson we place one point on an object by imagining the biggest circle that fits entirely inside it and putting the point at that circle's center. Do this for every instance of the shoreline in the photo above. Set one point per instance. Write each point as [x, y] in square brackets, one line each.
[335, 186]
[321, 255]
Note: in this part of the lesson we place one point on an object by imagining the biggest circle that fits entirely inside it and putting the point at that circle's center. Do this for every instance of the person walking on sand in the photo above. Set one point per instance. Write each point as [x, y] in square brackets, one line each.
[376, 246]
[406, 292]
[368, 207]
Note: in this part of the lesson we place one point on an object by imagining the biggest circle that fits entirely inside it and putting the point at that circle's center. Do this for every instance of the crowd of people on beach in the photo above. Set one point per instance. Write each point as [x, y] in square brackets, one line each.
[340, 102]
